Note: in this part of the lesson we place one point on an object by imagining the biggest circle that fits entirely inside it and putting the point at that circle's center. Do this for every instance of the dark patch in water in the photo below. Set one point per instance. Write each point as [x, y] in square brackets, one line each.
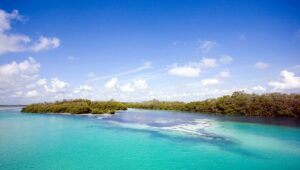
[223, 143]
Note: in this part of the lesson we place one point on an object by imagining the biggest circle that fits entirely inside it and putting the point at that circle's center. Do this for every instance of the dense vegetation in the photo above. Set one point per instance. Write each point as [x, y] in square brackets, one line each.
[77, 106]
[239, 103]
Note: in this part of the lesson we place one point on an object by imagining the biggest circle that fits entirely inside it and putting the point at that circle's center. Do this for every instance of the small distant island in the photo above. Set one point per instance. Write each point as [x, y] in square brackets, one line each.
[239, 103]
[77, 106]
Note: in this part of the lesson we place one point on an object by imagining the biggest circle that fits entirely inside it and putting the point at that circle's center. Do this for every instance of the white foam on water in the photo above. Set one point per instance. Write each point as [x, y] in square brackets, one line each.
[196, 127]
[193, 127]
[133, 125]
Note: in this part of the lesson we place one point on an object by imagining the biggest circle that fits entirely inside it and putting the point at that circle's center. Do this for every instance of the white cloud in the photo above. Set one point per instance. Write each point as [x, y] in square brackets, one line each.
[206, 46]
[209, 62]
[10, 42]
[217, 80]
[17, 75]
[42, 82]
[45, 43]
[84, 90]
[225, 59]
[111, 84]
[208, 82]
[32, 93]
[5, 19]
[20, 83]
[261, 65]
[140, 84]
[224, 74]
[193, 69]
[13, 43]
[258, 88]
[289, 81]
[127, 88]
[186, 71]
[56, 86]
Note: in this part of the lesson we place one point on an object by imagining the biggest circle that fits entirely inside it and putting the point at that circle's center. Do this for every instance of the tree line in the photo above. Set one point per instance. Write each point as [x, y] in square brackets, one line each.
[77, 106]
[239, 103]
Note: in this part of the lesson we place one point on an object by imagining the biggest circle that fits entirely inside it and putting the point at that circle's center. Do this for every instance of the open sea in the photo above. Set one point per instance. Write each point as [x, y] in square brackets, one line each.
[139, 139]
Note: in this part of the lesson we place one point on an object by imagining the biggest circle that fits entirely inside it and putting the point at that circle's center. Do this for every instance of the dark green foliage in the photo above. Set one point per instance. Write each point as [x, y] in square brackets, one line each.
[239, 103]
[158, 105]
[97, 111]
[77, 106]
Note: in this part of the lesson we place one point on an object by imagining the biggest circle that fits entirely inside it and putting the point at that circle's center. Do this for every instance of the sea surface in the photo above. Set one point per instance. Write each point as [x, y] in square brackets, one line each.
[146, 140]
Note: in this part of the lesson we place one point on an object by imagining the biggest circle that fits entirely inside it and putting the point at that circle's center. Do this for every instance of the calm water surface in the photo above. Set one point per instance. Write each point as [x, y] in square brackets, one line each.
[145, 139]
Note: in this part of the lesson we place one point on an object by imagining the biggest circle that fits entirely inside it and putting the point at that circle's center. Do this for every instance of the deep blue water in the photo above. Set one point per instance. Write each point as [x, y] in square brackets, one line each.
[146, 139]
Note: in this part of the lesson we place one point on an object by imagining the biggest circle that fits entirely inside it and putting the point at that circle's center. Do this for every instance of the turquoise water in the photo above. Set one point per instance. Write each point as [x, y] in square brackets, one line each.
[140, 139]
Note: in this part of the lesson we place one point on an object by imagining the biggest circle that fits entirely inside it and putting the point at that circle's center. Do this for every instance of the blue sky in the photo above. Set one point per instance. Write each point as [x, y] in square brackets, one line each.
[140, 50]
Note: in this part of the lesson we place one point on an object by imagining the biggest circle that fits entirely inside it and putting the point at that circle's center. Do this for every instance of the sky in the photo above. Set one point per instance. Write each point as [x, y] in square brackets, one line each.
[137, 50]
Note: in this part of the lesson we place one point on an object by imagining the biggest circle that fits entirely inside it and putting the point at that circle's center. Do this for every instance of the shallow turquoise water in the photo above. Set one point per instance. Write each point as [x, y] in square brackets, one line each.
[139, 139]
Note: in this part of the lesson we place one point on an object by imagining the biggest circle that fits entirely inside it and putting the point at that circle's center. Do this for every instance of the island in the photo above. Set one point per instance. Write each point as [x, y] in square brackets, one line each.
[238, 103]
[76, 106]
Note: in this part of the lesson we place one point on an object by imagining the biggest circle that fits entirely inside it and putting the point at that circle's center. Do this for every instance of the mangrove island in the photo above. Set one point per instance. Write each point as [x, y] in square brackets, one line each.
[239, 103]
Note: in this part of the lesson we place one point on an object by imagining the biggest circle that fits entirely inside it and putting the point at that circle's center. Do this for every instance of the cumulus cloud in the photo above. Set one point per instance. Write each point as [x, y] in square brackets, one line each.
[45, 43]
[217, 79]
[42, 82]
[208, 62]
[13, 43]
[16, 75]
[192, 69]
[20, 80]
[140, 84]
[189, 70]
[206, 46]
[84, 90]
[224, 74]
[5, 19]
[10, 42]
[32, 93]
[259, 88]
[289, 81]
[127, 88]
[56, 85]
[261, 65]
[208, 82]
[111, 84]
